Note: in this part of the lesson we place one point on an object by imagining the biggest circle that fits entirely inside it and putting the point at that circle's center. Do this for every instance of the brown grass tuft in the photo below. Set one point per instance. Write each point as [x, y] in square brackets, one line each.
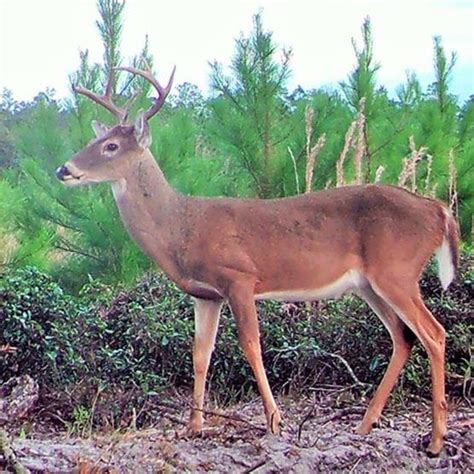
[409, 165]
[360, 145]
[378, 173]
[340, 181]
[453, 192]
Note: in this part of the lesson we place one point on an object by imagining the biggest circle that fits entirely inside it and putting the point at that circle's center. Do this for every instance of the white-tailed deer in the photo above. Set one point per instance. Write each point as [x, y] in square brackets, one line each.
[373, 240]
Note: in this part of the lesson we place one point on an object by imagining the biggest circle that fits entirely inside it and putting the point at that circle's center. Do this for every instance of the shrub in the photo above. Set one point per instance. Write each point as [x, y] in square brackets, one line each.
[132, 343]
[37, 318]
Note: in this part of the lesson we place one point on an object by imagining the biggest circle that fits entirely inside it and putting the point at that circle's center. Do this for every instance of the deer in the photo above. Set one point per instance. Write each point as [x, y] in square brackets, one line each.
[372, 240]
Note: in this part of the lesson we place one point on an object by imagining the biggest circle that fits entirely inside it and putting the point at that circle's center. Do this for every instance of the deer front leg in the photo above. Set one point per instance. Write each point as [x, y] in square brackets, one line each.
[243, 308]
[206, 321]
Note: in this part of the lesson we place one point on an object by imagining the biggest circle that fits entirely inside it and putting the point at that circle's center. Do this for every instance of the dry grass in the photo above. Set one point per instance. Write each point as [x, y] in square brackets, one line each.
[410, 163]
[360, 146]
[378, 174]
[453, 192]
[8, 245]
[340, 181]
[312, 151]
[295, 170]
[354, 141]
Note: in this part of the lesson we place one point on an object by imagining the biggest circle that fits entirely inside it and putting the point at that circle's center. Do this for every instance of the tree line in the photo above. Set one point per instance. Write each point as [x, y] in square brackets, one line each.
[251, 137]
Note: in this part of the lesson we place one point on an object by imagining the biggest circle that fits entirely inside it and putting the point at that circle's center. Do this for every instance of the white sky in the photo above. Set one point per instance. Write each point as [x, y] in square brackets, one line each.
[40, 40]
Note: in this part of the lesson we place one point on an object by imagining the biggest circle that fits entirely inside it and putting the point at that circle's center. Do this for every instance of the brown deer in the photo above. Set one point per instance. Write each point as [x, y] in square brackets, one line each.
[373, 240]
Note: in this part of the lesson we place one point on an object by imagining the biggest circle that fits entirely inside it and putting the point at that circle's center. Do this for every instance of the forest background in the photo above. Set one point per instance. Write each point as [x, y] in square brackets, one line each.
[72, 282]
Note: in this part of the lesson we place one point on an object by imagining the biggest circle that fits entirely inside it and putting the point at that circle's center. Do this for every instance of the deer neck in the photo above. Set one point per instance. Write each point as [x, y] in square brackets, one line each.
[150, 210]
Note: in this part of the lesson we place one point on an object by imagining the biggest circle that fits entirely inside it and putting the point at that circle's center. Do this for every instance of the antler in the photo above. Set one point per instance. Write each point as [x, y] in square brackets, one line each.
[162, 91]
[105, 100]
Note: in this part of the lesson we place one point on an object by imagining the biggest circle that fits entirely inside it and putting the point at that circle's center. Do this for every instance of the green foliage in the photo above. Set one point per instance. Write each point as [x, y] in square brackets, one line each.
[110, 29]
[443, 72]
[50, 222]
[235, 143]
[249, 113]
[138, 341]
[331, 117]
[64, 251]
[361, 83]
[35, 316]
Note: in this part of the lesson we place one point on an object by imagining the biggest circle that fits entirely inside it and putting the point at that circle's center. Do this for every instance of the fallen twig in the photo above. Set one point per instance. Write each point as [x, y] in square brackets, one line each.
[341, 413]
[175, 406]
[348, 367]
[327, 419]
[468, 422]
[256, 466]
[7, 349]
[459, 449]
[305, 419]
[232, 417]
[353, 468]
[174, 419]
[412, 420]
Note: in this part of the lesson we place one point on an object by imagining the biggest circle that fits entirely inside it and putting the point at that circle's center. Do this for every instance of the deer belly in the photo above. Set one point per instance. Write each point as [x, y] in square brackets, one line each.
[348, 282]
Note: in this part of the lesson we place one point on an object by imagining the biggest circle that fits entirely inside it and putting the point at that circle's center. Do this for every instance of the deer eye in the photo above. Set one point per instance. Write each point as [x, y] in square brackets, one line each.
[111, 147]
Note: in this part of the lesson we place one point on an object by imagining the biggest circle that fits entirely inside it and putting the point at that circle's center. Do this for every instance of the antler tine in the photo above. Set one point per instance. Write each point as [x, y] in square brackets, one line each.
[162, 91]
[105, 100]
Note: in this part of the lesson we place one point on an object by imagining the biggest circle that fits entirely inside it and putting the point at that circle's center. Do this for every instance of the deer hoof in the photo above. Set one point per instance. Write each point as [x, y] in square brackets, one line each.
[364, 428]
[275, 423]
[434, 448]
[194, 427]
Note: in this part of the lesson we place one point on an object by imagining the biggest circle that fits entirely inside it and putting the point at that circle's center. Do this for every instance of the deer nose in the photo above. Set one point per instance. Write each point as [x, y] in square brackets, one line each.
[62, 172]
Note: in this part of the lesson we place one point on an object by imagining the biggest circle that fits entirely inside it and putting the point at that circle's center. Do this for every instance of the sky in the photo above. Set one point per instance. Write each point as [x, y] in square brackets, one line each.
[40, 40]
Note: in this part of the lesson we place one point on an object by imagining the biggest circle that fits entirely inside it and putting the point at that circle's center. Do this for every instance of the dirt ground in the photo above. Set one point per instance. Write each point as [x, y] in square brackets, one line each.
[316, 438]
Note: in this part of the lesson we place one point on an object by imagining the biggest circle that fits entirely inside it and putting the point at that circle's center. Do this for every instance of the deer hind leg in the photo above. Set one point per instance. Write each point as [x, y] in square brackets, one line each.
[412, 311]
[206, 321]
[402, 339]
[243, 308]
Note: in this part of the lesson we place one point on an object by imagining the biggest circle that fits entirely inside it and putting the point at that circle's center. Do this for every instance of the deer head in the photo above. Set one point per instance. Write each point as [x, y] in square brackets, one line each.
[109, 157]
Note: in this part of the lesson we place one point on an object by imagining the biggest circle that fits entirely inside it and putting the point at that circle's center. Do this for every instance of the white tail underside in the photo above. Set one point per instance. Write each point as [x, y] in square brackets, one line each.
[446, 268]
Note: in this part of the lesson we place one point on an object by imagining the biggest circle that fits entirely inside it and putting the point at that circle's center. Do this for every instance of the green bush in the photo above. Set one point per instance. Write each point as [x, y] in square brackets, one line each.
[132, 343]
[37, 317]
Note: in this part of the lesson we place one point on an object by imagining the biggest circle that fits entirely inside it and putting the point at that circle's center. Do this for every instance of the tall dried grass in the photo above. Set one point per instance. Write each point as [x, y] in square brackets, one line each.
[360, 144]
[378, 174]
[8, 245]
[410, 163]
[340, 180]
[452, 184]
[355, 140]
[312, 151]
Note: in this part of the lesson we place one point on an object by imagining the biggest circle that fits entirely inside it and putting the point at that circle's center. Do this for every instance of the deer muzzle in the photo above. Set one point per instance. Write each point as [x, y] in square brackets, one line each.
[62, 173]
[69, 174]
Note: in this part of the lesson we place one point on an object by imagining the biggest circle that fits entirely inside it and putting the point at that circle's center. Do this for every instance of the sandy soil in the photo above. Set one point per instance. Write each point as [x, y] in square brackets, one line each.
[316, 438]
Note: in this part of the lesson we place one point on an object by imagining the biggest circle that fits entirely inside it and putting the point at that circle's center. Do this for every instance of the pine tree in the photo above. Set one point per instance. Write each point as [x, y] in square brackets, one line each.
[361, 86]
[249, 107]
[76, 232]
[443, 71]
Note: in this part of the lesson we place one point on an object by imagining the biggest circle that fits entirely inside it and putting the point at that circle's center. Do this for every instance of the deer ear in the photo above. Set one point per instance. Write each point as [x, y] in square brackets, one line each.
[99, 128]
[142, 131]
